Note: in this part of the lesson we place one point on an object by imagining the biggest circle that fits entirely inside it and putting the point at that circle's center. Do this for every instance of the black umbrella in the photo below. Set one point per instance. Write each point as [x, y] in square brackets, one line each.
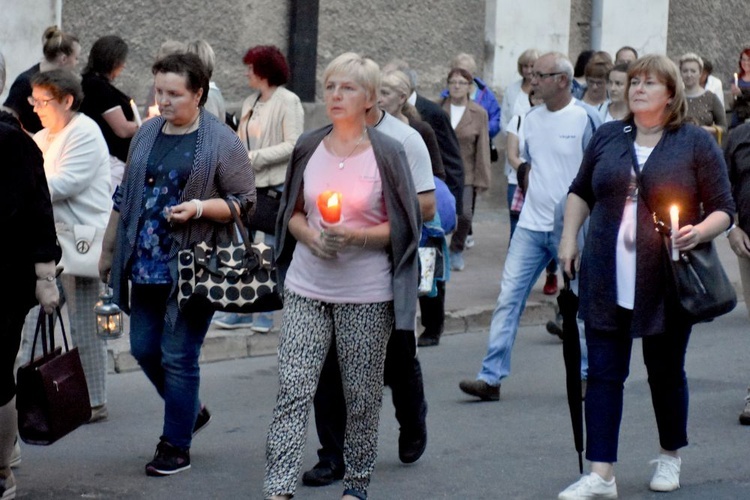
[567, 302]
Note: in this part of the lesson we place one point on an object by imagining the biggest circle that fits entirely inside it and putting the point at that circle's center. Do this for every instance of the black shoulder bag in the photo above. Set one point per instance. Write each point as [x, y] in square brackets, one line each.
[699, 281]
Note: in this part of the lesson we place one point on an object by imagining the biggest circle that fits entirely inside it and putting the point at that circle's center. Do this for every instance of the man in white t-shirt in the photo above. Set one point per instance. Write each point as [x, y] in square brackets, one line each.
[556, 135]
[403, 372]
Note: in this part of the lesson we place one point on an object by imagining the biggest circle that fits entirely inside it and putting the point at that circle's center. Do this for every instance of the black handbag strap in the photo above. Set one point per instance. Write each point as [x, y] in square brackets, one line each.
[241, 229]
[45, 326]
[658, 223]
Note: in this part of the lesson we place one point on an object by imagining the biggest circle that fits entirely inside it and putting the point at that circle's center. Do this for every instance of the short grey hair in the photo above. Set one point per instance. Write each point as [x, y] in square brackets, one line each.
[561, 64]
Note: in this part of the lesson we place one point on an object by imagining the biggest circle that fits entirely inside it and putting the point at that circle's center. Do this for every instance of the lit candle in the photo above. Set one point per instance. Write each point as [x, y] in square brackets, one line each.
[153, 110]
[674, 217]
[136, 114]
[329, 205]
[735, 80]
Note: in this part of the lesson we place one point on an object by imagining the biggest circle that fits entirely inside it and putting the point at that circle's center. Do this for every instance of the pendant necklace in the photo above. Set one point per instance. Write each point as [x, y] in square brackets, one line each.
[341, 163]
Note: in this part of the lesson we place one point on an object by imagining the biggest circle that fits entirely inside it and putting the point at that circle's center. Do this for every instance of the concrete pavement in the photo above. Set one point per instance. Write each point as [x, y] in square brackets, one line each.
[470, 295]
[518, 448]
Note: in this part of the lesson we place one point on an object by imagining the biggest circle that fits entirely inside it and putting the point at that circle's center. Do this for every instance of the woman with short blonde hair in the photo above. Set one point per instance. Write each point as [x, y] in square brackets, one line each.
[703, 106]
[352, 273]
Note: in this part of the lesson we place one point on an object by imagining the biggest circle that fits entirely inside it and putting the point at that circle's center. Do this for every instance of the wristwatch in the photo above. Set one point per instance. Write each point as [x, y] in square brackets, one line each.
[726, 233]
[49, 278]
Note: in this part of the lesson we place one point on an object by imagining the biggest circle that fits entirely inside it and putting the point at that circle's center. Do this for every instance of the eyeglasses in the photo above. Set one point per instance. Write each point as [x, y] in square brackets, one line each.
[460, 83]
[541, 76]
[39, 102]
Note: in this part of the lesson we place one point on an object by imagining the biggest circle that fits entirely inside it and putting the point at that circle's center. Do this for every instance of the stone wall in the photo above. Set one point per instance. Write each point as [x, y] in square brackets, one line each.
[230, 26]
[715, 30]
[426, 34]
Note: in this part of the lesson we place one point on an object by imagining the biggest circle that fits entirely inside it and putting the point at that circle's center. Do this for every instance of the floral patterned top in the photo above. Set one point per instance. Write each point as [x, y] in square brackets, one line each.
[167, 171]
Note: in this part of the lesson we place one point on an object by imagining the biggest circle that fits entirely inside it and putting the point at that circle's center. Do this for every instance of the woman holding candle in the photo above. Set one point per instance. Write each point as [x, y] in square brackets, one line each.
[107, 105]
[740, 86]
[271, 121]
[349, 279]
[182, 167]
[624, 288]
[76, 162]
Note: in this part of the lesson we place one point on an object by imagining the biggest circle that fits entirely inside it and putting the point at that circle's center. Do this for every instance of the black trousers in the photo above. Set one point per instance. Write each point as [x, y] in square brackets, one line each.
[403, 374]
[433, 312]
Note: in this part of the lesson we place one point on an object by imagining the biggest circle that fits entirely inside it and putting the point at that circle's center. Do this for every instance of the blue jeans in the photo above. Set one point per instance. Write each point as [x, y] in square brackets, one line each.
[168, 355]
[609, 365]
[528, 255]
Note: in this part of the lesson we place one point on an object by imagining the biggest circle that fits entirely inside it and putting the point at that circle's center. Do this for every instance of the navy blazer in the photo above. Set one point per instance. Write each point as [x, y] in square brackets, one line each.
[686, 168]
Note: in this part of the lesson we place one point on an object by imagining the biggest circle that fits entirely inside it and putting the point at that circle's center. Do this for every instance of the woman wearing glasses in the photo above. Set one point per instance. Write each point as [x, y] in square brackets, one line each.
[653, 160]
[76, 161]
[469, 120]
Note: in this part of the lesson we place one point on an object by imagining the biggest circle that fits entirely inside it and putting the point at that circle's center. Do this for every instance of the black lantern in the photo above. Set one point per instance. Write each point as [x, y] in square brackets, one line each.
[108, 318]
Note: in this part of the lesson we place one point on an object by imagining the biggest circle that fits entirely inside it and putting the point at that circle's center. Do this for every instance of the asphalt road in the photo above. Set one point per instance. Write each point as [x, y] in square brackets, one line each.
[518, 448]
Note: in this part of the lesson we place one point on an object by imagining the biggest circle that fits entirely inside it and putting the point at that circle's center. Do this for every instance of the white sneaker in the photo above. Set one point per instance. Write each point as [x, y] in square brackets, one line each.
[469, 243]
[589, 486]
[667, 474]
[15, 458]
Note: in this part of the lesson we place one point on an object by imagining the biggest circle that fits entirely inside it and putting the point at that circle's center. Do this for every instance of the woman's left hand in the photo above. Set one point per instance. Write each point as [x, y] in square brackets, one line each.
[335, 238]
[180, 214]
[687, 237]
[739, 242]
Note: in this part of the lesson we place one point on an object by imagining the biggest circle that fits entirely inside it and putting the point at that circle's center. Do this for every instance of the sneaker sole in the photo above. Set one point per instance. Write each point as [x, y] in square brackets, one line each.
[154, 472]
[9, 494]
[196, 431]
[232, 326]
[663, 489]
[260, 329]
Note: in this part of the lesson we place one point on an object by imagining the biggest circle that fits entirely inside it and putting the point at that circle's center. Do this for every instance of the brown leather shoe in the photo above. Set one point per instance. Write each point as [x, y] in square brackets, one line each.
[480, 389]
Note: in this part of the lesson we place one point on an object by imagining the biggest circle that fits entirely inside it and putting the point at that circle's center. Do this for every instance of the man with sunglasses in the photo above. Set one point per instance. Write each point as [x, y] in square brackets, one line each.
[556, 134]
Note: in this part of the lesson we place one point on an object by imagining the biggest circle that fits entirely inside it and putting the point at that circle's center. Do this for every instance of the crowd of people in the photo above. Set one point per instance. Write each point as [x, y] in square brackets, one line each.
[591, 149]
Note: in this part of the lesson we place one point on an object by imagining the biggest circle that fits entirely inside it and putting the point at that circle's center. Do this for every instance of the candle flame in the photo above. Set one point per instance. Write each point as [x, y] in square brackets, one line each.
[674, 211]
[333, 201]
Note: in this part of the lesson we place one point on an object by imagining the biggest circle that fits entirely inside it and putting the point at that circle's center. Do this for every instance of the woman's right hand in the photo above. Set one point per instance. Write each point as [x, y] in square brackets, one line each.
[569, 257]
[105, 266]
[735, 90]
[321, 245]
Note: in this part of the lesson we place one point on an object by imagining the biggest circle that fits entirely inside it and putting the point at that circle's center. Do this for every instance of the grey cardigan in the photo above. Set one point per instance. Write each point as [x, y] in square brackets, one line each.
[220, 168]
[401, 205]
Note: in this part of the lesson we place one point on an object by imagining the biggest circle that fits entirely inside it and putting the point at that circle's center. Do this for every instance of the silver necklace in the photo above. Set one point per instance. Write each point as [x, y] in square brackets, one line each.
[341, 163]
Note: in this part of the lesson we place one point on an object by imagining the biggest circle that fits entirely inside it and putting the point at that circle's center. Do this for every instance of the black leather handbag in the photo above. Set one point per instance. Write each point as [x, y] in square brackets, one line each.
[52, 396]
[701, 286]
[700, 283]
